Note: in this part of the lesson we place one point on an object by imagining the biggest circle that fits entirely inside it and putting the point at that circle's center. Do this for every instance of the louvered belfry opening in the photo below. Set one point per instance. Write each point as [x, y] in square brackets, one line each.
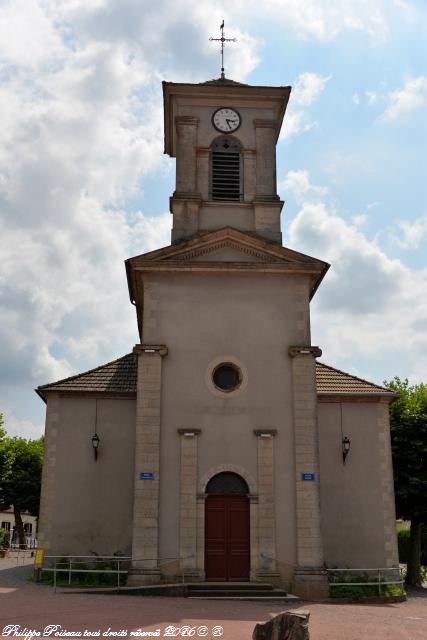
[225, 170]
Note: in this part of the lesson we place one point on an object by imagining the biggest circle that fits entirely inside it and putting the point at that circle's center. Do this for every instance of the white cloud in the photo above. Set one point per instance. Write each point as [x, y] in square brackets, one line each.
[149, 233]
[360, 219]
[355, 98]
[369, 304]
[308, 87]
[298, 183]
[372, 97]
[27, 35]
[21, 428]
[411, 233]
[324, 20]
[411, 96]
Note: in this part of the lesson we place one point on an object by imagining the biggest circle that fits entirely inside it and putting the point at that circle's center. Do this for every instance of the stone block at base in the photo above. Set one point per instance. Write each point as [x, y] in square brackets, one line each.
[191, 575]
[263, 575]
[310, 583]
[142, 577]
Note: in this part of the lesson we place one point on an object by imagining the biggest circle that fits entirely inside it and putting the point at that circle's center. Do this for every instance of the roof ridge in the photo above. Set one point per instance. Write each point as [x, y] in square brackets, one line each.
[84, 373]
[350, 375]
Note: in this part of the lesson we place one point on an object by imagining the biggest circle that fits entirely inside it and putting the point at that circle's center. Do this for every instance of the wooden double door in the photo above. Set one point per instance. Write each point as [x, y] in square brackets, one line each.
[227, 538]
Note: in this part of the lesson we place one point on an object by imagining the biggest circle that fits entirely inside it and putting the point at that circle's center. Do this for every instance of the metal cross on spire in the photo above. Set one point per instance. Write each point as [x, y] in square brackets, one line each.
[223, 40]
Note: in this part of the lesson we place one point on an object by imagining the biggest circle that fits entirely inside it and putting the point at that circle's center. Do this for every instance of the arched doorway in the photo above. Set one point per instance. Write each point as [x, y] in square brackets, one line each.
[227, 530]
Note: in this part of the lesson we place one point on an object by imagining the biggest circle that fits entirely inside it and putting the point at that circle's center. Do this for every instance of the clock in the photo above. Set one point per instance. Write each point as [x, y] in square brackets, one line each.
[226, 120]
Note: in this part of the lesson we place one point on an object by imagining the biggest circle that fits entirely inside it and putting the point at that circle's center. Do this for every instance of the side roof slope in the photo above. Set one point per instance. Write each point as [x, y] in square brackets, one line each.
[119, 377]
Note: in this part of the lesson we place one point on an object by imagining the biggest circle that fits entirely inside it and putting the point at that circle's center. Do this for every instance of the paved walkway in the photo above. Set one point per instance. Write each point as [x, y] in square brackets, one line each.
[35, 606]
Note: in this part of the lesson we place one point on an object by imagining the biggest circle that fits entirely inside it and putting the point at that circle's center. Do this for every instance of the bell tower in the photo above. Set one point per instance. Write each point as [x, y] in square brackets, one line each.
[223, 135]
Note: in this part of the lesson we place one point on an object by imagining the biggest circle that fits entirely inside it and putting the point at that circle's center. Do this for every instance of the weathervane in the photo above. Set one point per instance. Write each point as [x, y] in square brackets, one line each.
[222, 40]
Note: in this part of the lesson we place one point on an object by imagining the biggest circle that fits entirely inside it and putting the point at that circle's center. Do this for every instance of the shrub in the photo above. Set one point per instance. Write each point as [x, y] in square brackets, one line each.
[354, 591]
[403, 544]
[4, 539]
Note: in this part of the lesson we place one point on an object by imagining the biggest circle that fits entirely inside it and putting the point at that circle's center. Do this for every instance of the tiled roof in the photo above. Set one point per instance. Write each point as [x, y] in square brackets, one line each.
[332, 381]
[119, 377]
[225, 82]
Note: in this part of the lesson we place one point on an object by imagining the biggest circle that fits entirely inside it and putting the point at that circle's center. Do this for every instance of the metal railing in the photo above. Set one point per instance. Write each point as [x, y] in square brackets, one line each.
[64, 565]
[369, 578]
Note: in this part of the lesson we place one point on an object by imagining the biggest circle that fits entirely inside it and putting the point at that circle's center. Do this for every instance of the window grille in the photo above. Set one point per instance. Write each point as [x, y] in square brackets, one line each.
[226, 173]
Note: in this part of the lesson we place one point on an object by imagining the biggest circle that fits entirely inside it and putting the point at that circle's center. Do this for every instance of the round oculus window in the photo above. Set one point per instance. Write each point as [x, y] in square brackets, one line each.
[227, 377]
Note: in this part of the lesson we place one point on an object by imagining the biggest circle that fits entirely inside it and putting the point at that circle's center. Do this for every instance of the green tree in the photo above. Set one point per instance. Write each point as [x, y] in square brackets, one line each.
[20, 477]
[408, 424]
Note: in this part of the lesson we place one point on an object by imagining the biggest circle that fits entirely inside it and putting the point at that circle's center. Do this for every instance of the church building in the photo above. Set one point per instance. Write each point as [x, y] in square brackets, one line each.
[220, 447]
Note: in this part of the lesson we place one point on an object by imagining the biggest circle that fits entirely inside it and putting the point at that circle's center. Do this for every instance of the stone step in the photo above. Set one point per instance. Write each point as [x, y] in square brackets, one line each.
[237, 593]
[266, 598]
[218, 586]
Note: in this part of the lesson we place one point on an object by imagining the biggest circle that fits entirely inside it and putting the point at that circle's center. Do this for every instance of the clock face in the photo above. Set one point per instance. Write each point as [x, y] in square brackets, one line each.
[226, 120]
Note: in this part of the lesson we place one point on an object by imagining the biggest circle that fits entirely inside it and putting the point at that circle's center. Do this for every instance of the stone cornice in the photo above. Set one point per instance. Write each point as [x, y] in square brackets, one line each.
[266, 433]
[189, 432]
[161, 349]
[261, 123]
[187, 120]
[308, 350]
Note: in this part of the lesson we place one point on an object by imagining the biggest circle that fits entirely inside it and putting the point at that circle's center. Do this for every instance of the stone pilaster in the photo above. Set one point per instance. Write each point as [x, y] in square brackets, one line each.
[203, 156]
[200, 562]
[254, 525]
[267, 219]
[145, 550]
[186, 138]
[310, 580]
[47, 497]
[266, 508]
[387, 487]
[249, 174]
[265, 135]
[188, 502]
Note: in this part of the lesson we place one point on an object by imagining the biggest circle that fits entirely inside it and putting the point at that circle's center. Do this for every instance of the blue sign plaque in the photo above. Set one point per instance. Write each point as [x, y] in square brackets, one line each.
[146, 475]
[308, 476]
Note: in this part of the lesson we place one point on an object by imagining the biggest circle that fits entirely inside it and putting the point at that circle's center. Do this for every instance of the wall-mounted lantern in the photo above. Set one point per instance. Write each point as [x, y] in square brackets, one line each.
[95, 444]
[346, 444]
[95, 438]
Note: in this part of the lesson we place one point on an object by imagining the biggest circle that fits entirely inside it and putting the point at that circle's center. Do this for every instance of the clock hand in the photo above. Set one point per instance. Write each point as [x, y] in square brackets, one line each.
[228, 122]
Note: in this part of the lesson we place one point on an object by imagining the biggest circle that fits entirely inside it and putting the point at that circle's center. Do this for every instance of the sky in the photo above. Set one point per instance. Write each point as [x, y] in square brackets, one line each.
[84, 183]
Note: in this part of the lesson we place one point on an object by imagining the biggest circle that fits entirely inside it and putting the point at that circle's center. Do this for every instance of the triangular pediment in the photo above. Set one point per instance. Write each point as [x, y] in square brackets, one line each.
[227, 249]
[228, 245]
